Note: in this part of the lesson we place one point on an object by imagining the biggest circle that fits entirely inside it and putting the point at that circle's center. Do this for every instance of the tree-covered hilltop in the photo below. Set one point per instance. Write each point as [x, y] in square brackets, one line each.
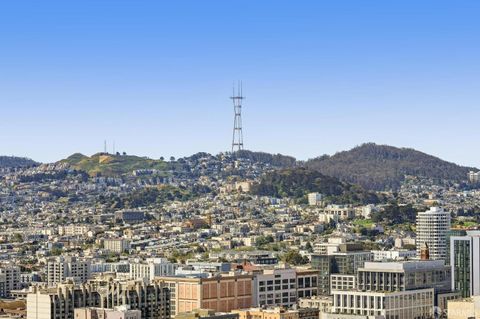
[383, 167]
[277, 160]
[16, 162]
[298, 182]
[112, 165]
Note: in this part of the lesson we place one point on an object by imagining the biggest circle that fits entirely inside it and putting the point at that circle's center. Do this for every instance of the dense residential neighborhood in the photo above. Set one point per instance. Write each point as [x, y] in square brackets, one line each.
[192, 238]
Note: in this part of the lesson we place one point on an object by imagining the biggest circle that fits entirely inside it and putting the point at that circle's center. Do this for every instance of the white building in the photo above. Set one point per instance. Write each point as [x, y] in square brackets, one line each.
[336, 213]
[432, 228]
[151, 268]
[343, 282]
[283, 286]
[73, 230]
[275, 287]
[314, 199]
[398, 304]
[116, 245]
[60, 268]
[380, 255]
[473, 177]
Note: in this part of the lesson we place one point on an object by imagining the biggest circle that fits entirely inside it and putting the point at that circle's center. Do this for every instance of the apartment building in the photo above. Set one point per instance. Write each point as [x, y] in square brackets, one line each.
[116, 245]
[336, 213]
[73, 230]
[152, 299]
[61, 268]
[151, 268]
[10, 277]
[433, 226]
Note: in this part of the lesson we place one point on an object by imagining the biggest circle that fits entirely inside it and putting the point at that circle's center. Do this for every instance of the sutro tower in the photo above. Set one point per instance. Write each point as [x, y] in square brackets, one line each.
[237, 140]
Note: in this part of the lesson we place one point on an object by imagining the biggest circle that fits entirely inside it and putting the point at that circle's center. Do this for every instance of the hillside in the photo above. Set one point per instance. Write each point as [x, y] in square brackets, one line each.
[112, 165]
[298, 182]
[13, 161]
[381, 167]
[277, 160]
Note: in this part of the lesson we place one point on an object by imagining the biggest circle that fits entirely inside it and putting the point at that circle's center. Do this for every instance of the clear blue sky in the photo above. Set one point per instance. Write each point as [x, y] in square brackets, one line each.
[320, 76]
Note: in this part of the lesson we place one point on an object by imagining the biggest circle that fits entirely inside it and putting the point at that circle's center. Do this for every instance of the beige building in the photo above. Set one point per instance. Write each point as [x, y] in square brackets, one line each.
[116, 245]
[465, 308]
[60, 268]
[222, 293]
[120, 312]
[73, 230]
[277, 313]
[59, 302]
[206, 314]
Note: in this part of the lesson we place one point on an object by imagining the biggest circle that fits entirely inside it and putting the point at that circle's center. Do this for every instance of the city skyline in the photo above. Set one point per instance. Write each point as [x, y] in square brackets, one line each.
[318, 77]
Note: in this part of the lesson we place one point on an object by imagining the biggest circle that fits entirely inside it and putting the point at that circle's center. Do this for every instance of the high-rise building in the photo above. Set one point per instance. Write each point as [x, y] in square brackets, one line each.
[60, 268]
[432, 228]
[465, 263]
[451, 233]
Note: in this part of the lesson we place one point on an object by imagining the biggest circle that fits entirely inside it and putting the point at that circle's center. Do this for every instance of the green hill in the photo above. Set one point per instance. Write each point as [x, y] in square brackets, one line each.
[298, 182]
[112, 165]
[381, 167]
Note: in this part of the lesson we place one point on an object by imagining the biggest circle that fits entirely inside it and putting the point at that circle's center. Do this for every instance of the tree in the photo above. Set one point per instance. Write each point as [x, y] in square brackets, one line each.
[293, 257]
[308, 247]
[172, 158]
[263, 240]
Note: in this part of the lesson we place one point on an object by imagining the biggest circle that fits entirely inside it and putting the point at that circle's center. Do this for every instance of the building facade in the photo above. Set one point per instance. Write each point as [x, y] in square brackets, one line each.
[221, 293]
[152, 299]
[432, 229]
[413, 304]
[60, 268]
[465, 263]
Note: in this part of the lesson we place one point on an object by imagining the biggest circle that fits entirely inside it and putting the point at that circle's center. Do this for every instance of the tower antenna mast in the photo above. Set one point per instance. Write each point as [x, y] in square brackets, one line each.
[237, 98]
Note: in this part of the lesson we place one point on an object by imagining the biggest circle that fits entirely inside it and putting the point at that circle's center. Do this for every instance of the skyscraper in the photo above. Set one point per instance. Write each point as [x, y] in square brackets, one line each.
[432, 228]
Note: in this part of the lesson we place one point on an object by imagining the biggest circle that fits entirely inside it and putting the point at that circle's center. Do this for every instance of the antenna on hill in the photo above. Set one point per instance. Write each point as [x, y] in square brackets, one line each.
[237, 140]
[105, 146]
[113, 147]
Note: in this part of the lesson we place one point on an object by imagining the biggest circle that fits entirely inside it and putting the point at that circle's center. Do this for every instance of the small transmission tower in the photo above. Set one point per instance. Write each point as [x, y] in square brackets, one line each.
[237, 97]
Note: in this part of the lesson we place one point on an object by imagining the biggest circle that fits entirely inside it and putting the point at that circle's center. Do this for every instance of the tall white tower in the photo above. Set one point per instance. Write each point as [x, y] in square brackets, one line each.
[432, 228]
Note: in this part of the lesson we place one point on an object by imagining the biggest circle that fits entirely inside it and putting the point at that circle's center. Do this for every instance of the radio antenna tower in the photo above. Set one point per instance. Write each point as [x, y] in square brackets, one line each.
[237, 140]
